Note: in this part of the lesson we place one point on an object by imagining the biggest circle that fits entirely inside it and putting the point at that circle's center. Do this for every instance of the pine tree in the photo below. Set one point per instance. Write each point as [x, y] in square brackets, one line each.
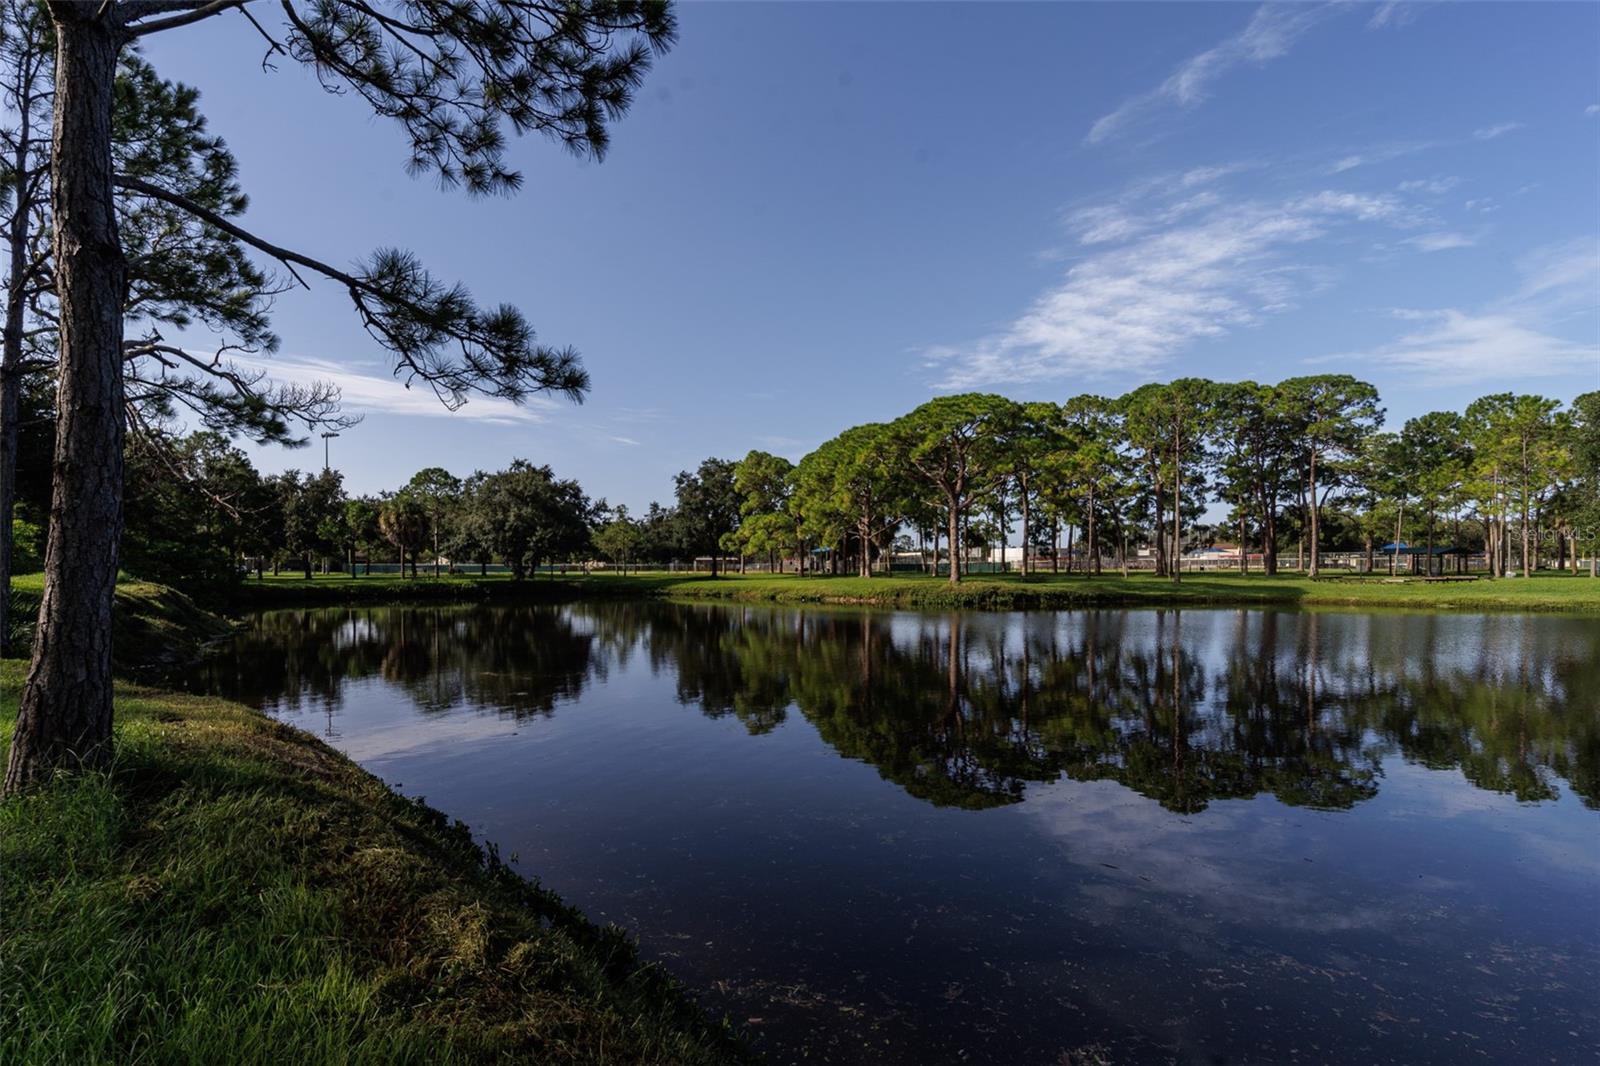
[454, 76]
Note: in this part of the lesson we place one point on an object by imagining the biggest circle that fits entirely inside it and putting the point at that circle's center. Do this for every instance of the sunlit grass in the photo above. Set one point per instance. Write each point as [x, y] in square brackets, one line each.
[233, 891]
[1543, 592]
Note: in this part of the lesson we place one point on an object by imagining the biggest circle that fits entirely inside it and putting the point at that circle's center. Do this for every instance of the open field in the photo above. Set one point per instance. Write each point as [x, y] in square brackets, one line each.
[1543, 592]
[235, 891]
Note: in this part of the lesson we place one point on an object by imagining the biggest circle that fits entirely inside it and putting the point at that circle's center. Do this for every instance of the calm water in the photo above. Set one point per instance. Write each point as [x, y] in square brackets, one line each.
[1045, 837]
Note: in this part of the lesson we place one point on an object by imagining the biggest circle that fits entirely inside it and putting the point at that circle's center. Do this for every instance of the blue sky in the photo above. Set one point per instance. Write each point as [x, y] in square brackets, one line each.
[818, 215]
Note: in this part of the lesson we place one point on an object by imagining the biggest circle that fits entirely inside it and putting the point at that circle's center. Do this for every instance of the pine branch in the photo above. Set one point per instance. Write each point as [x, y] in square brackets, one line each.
[130, 13]
[407, 311]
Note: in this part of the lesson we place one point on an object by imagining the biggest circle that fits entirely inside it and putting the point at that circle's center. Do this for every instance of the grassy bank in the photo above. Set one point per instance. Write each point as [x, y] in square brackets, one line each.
[1545, 592]
[235, 891]
[154, 626]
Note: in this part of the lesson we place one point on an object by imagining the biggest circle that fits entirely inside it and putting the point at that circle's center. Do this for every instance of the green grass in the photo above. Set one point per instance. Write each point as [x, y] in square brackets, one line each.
[154, 626]
[1543, 592]
[235, 891]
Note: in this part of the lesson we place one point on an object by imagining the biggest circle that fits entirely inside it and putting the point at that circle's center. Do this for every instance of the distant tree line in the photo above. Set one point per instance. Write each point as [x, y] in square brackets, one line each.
[1303, 467]
[1304, 461]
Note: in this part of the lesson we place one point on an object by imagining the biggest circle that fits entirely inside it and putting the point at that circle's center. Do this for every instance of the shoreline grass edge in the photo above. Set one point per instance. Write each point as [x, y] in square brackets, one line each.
[235, 890]
[1545, 592]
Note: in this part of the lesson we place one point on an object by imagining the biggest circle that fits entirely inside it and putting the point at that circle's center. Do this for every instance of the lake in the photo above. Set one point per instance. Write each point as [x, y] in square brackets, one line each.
[1211, 836]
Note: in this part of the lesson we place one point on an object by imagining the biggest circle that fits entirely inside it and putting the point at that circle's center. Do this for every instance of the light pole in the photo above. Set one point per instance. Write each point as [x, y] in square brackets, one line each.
[325, 438]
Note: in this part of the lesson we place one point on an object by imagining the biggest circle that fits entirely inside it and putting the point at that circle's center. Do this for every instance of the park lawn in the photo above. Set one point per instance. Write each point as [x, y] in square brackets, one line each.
[235, 891]
[1543, 592]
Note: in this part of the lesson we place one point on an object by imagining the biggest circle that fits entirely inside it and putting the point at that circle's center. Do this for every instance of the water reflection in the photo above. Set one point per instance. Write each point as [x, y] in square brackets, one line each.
[970, 711]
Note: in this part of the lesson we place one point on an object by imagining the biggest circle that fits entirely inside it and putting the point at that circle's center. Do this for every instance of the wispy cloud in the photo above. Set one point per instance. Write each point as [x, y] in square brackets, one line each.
[1481, 347]
[628, 441]
[1166, 284]
[1271, 33]
[1440, 241]
[381, 394]
[1383, 153]
[1559, 278]
[1392, 14]
[1499, 129]
[1511, 338]
[1591, 111]
[1431, 186]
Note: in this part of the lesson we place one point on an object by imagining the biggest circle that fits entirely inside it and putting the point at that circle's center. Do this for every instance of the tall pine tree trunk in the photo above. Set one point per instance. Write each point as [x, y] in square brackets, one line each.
[1025, 530]
[954, 535]
[64, 720]
[1527, 567]
[1159, 537]
[1093, 546]
[1177, 507]
[1269, 533]
[1316, 546]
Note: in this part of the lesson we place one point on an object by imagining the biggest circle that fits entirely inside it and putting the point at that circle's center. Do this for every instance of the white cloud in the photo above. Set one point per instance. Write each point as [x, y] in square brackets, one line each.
[1441, 241]
[1182, 193]
[381, 394]
[1591, 111]
[1383, 153]
[1481, 347]
[1560, 277]
[1511, 338]
[1432, 186]
[1489, 133]
[629, 441]
[1129, 308]
[1270, 33]
[1391, 13]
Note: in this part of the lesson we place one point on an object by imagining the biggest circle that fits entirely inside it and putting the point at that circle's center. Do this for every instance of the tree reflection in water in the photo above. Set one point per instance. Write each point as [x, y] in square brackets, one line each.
[966, 710]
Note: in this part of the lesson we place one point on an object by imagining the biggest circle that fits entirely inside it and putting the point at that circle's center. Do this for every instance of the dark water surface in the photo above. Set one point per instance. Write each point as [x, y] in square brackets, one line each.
[1045, 837]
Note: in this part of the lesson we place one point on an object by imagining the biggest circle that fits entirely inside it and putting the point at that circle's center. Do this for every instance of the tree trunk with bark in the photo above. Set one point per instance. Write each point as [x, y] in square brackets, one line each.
[1025, 528]
[1159, 540]
[1093, 544]
[1177, 507]
[1527, 570]
[1316, 546]
[64, 720]
[954, 535]
[1269, 530]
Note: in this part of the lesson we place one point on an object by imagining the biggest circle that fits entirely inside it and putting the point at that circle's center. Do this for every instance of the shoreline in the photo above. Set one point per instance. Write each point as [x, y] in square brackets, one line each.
[1542, 593]
[234, 888]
